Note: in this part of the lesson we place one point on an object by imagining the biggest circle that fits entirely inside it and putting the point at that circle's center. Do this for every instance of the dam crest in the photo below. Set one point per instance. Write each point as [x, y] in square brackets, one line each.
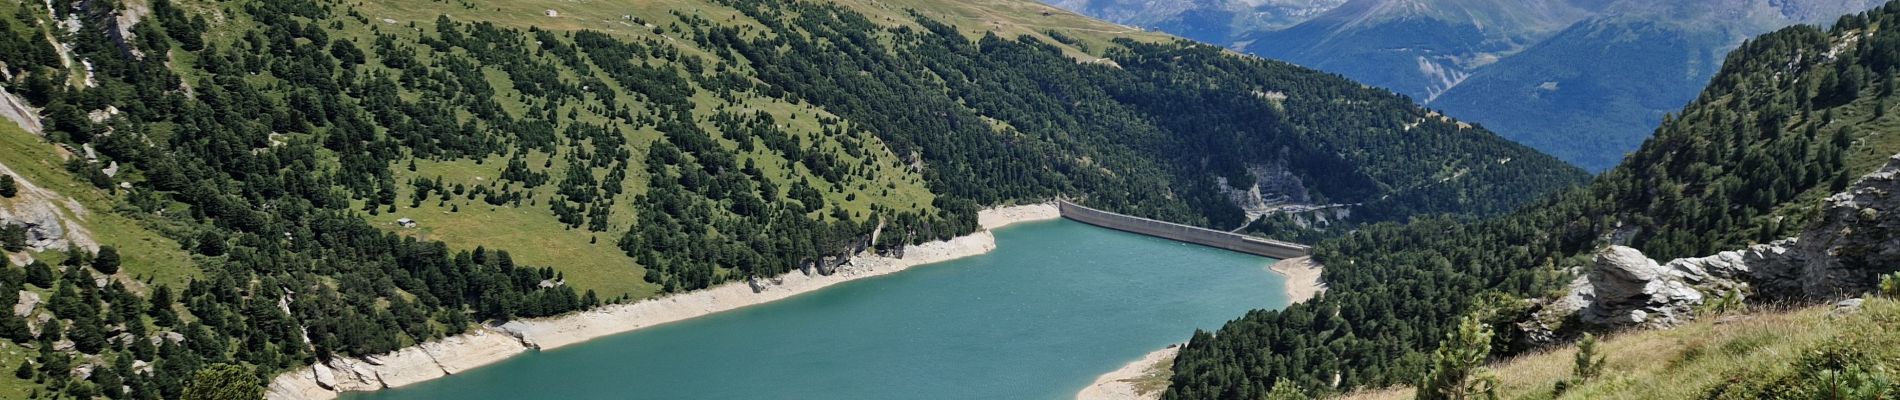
[1191, 234]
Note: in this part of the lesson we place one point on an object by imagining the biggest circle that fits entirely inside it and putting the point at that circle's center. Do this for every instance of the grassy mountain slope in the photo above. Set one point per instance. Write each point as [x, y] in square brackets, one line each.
[1802, 352]
[149, 254]
[1782, 125]
[556, 156]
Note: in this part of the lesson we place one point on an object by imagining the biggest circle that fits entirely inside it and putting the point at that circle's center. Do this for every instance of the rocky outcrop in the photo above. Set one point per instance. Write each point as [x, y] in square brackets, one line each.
[45, 214]
[120, 28]
[1840, 255]
[28, 301]
[1623, 288]
[1631, 289]
[15, 109]
[403, 367]
[1852, 244]
[1272, 185]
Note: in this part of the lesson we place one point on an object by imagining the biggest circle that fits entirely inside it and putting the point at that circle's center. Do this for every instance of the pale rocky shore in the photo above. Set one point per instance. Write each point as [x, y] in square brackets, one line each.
[1302, 278]
[1126, 383]
[489, 344]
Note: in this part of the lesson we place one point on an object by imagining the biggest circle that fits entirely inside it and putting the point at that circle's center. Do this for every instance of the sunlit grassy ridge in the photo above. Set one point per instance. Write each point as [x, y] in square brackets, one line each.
[1765, 354]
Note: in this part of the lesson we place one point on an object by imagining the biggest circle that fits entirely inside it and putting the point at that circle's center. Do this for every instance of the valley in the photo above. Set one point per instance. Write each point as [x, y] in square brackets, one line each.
[852, 198]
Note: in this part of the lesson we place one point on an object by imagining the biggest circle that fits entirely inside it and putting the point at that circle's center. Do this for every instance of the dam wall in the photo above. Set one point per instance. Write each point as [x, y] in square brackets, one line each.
[1196, 235]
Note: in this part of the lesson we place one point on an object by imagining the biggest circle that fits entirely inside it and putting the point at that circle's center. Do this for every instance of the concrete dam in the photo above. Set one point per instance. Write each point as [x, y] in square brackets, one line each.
[1196, 235]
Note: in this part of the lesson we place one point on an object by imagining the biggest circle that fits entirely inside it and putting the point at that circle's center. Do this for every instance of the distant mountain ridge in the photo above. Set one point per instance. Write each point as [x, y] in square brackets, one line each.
[1210, 21]
[1583, 80]
[1418, 48]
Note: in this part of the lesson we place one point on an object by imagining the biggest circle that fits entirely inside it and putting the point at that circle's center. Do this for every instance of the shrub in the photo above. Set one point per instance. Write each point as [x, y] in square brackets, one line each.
[107, 262]
[8, 188]
[1455, 373]
[1589, 360]
[1890, 285]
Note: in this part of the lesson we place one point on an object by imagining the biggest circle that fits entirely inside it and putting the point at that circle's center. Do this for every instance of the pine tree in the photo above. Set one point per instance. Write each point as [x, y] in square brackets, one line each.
[107, 262]
[212, 244]
[12, 237]
[51, 331]
[1284, 390]
[39, 274]
[14, 328]
[1589, 359]
[88, 334]
[8, 188]
[1456, 373]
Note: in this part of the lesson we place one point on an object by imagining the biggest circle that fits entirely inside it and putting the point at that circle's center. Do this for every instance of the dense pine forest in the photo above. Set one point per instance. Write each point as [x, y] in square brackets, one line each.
[1792, 117]
[308, 179]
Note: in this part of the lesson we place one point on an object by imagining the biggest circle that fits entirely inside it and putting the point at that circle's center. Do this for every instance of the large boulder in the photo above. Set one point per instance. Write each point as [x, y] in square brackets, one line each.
[1623, 288]
[1627, 288]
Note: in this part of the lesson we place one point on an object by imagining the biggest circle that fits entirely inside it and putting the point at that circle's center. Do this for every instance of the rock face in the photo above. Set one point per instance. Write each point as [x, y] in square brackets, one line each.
[45, 214]
[1842, 254]
[1852, 244]
[14, 109]
[324, 380]
[1273, 187]
[1626, 288]
[28, 301]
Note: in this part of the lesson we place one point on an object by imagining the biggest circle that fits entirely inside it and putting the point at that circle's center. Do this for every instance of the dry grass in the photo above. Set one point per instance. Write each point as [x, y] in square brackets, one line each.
[1686, 362]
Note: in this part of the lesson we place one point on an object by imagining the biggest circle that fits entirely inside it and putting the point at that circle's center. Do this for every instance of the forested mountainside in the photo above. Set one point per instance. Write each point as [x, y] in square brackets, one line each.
[1791, 117]
[285, 181]
[1530, 70]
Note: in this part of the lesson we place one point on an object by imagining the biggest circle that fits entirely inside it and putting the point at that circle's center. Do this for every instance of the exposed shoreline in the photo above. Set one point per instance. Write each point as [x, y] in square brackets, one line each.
[489, 344]
[1302, 278]
[1302, 283]
[1126, 383]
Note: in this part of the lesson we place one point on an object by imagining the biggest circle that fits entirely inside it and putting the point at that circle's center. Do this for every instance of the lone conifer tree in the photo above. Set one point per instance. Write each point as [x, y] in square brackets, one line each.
[1285, 390]
[1455, 373]
[1589, 359]
[107, 262]
[8, 188]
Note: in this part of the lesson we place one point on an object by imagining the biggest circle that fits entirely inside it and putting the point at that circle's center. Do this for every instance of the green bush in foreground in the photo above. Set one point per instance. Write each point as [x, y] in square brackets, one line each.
[1890, 285]
[1455, 373]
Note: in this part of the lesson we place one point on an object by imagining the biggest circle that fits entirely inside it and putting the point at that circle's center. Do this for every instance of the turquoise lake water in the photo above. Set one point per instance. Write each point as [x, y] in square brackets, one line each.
[1057, 304]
